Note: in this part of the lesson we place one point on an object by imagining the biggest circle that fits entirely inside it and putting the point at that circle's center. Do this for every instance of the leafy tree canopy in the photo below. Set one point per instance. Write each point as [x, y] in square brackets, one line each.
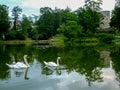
[4, 20]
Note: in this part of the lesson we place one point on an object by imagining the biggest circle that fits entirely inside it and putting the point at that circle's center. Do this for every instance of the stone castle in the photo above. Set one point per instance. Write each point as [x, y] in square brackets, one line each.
[105, 22]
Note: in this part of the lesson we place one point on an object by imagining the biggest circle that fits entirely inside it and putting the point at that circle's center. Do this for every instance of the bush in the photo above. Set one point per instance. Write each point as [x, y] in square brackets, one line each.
[12, 35]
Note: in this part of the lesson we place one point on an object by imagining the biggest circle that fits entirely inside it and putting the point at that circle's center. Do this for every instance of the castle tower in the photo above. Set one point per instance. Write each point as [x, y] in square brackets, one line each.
[105, 22]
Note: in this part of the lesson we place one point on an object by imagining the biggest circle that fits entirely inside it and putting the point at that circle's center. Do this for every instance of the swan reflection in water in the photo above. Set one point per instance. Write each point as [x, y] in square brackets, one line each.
[26, 74]
[51, 70]
[19, 73]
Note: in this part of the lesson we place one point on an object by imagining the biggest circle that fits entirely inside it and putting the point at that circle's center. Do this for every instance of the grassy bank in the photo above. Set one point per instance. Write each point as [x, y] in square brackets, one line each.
[56, 40]
[27, 41]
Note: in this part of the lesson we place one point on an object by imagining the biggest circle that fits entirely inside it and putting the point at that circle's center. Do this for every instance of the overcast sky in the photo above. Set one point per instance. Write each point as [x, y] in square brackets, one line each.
[32, 6]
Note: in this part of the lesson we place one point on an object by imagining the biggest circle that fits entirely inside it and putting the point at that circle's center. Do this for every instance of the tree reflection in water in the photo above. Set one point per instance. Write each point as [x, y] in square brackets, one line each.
[115, 54]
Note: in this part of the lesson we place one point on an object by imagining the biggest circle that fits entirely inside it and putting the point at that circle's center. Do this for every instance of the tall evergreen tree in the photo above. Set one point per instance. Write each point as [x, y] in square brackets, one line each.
[46, 23]
[16, 11]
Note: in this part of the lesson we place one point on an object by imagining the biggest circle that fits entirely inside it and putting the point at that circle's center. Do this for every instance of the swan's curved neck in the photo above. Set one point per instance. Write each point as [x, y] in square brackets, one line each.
[57, 61]
[26, 62]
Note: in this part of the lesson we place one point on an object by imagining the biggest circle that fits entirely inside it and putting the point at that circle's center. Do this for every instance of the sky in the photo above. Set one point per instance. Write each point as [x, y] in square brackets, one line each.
[30, 7]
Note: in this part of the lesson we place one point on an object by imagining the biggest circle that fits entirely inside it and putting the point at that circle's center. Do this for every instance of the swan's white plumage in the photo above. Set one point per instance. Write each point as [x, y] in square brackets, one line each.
[52, 64]
[19, 65]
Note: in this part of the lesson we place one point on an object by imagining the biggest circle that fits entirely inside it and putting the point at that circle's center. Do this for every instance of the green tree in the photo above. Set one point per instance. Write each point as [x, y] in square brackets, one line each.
[61, 16]
[71, 30]
[115, 20]
[46, 23]
[94, 5]
[26, 26]
[57, 20]
[68, 15]
[90, 16]
[4, 21]
[16, 11]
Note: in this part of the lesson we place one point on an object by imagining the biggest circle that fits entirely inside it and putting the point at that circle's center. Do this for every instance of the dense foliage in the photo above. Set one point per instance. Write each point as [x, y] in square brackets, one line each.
[84, 22]
[26, 26]
[4, 21]
[90, 16]
[46, 23]
[71, 30]
[115, 20]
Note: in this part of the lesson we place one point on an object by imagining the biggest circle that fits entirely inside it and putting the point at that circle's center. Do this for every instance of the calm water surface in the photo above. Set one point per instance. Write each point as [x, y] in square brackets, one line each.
[81, 68]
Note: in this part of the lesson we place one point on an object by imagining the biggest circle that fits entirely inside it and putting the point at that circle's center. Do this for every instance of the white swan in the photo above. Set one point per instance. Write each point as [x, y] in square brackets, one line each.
[52, 64]
[19, 65]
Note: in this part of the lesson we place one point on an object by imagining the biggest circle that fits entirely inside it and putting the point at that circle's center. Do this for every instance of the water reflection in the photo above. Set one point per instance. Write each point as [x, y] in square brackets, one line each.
[18, 73]
[83, 66]
[26, 74]
[51, 70]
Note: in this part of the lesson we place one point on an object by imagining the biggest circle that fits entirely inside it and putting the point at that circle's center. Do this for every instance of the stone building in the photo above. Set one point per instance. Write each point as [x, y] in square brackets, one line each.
[105, 22]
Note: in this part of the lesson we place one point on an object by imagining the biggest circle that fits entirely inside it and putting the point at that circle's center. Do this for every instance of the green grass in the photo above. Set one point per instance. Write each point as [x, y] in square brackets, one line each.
[58, 40]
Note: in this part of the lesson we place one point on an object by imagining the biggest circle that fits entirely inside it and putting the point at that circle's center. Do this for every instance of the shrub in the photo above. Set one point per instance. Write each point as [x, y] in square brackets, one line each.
[12, 35]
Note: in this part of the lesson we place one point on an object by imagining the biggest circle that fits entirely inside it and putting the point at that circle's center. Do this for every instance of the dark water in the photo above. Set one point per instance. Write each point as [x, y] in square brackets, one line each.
[82, 68]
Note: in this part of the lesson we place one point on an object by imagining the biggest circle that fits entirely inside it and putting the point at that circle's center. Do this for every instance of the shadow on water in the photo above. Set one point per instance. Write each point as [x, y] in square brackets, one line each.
[89, 62]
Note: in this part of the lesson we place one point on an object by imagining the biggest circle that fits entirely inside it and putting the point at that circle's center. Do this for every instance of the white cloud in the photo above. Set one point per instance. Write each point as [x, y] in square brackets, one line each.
[33, 6]
[73, 4]
[108, 4]
[72, 79]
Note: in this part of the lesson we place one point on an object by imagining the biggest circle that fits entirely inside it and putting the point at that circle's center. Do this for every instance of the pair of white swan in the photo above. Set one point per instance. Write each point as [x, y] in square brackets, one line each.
[20, 65]
[52, 64]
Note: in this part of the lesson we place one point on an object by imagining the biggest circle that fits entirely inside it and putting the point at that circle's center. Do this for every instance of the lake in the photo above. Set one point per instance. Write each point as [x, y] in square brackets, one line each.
[83, 67]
